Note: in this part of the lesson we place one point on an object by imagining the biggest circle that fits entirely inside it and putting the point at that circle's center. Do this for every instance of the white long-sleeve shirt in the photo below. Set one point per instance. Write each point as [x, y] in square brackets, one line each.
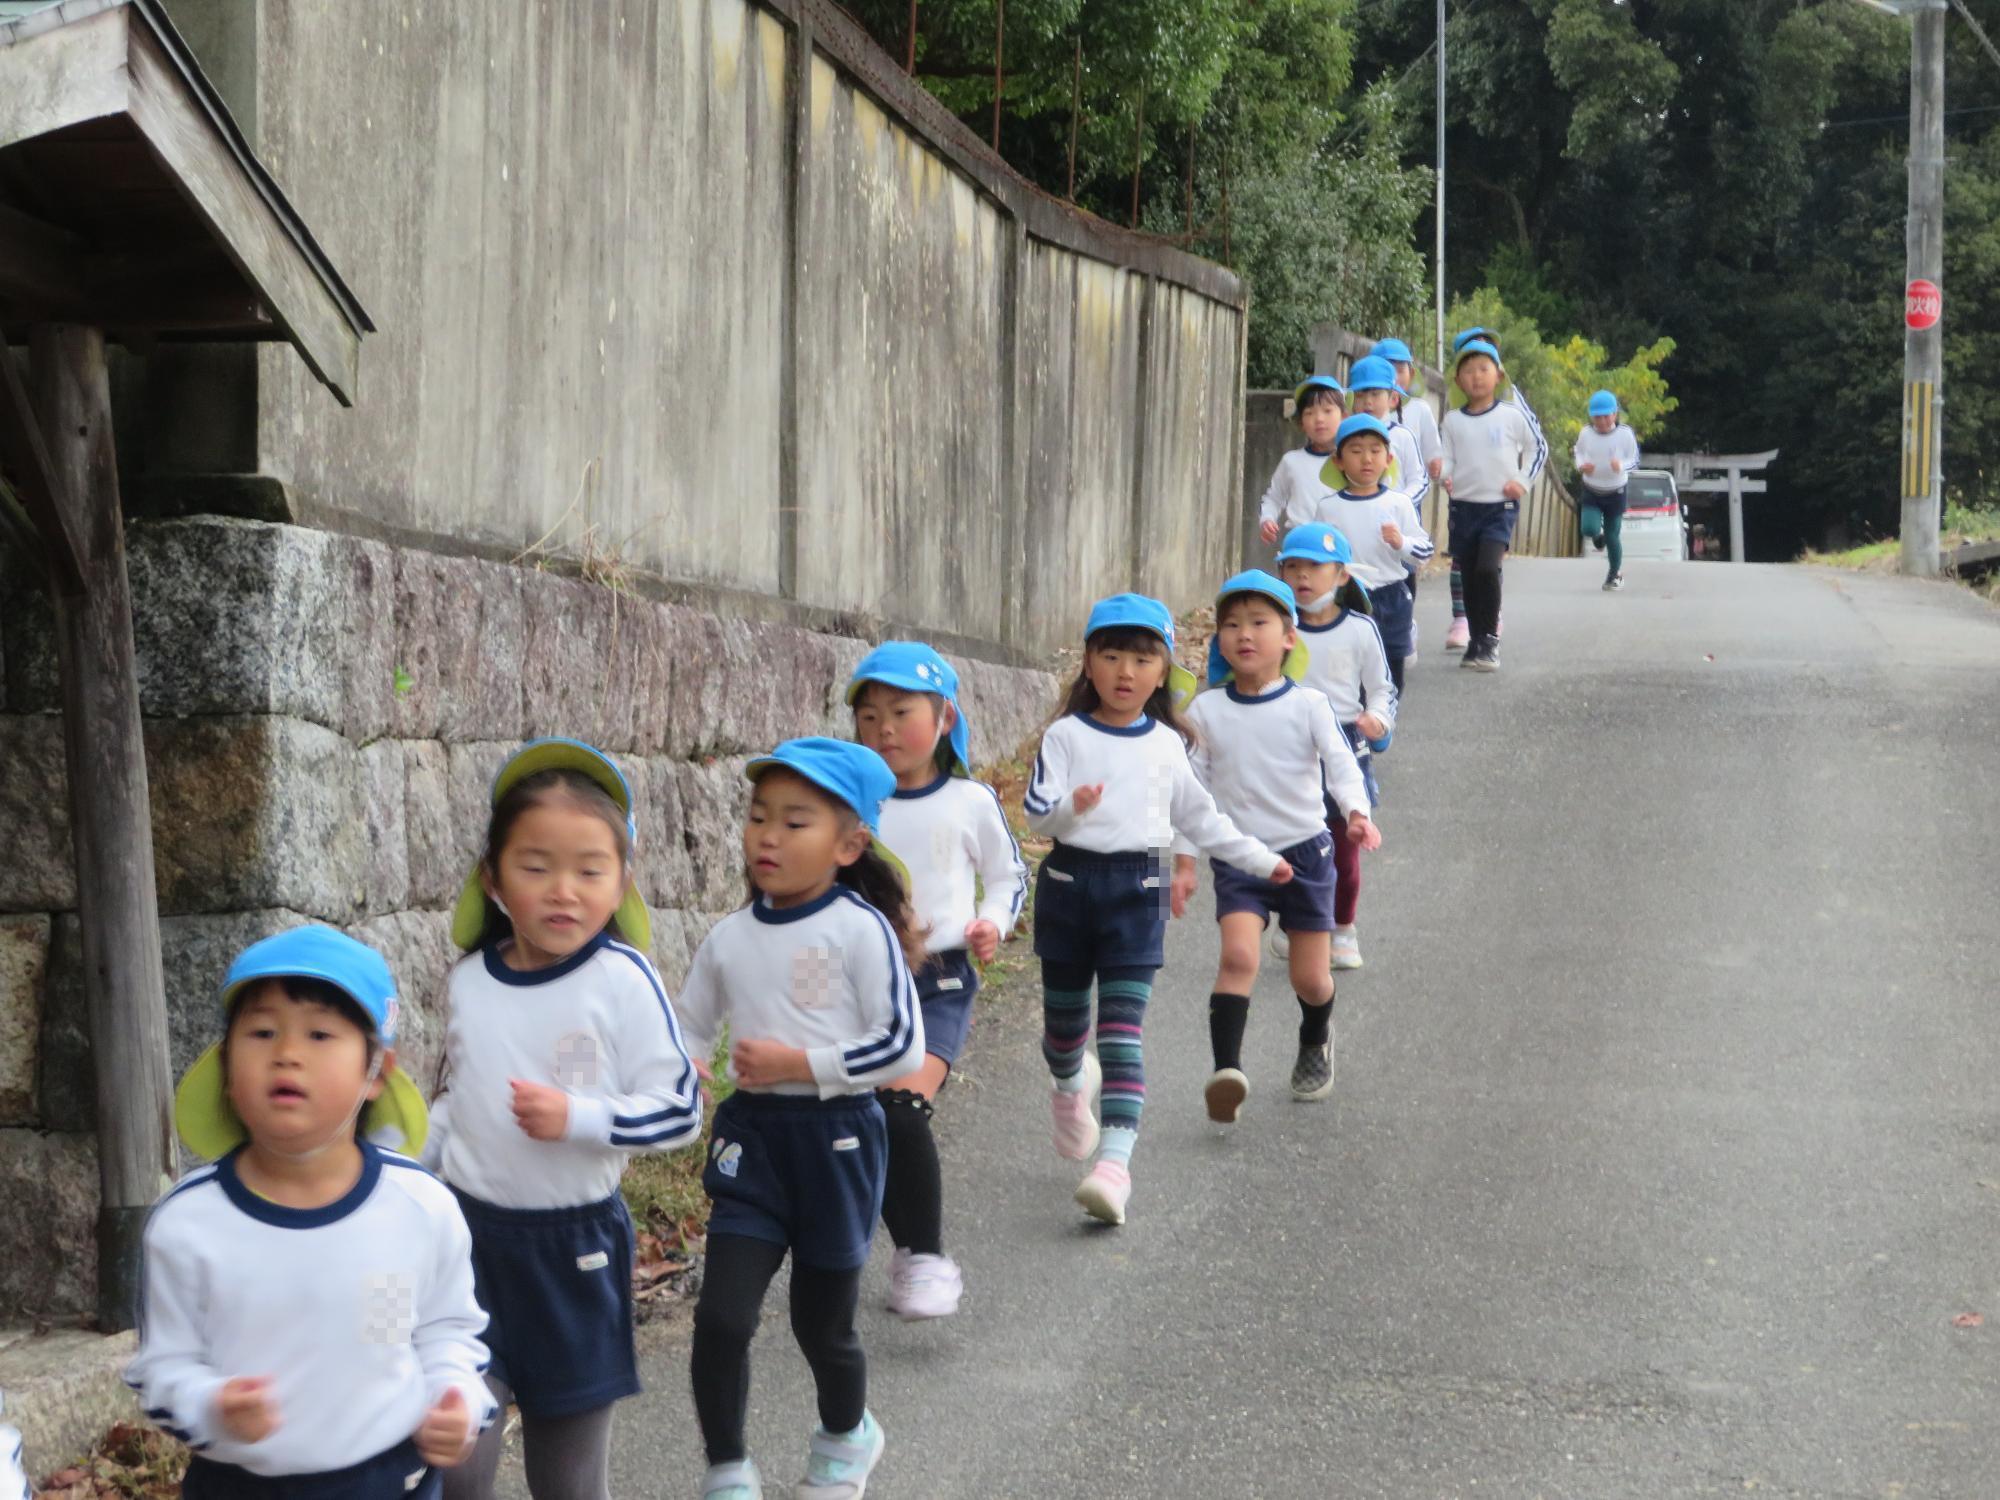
[1600, 449]
[1151, 793]
[1346, 661]
[598, 1025]
[953, 839]
[827, 976]
[1297, 487]
[1265, 757]
[1483, 452]
[361, 1313]
[1518, 398]
[1407, 473]
[1416, 414]
[1360, 518]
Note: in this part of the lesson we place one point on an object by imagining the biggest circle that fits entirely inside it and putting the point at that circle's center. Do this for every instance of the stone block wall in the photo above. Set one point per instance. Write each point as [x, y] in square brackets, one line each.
[324, 714]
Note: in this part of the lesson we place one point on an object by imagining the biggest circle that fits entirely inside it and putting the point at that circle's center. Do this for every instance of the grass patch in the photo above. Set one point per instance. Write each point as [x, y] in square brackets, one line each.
[1960, 524]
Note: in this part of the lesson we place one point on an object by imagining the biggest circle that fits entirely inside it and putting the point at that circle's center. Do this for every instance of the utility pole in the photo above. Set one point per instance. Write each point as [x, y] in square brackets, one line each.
[1922, 472]
[1923, 334]
[1439, 257]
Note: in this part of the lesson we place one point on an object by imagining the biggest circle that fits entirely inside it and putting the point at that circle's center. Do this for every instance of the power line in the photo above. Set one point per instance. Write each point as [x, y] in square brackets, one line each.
[1977, 30]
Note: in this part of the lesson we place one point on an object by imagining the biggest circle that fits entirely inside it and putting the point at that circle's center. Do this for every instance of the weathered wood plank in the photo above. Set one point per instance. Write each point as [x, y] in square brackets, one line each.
[110, 815]
[242, 221]
[32, 477]
[63, 77]
[38, 261]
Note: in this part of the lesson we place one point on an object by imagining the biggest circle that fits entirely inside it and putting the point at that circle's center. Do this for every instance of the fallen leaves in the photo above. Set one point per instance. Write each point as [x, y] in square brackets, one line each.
[132, 1462]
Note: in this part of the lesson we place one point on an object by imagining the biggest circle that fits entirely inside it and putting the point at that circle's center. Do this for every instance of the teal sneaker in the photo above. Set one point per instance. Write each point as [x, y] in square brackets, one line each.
[737, 1481]
[838, 1466]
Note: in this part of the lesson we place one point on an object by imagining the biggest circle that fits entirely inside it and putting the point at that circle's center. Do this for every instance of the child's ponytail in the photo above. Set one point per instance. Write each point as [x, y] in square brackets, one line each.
[880, 884]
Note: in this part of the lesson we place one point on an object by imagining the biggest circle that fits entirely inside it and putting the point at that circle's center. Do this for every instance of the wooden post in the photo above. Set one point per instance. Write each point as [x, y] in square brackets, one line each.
[110, 816]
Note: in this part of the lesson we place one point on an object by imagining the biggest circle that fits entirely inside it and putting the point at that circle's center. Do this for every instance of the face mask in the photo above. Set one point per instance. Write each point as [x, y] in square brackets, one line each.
[1323, 602]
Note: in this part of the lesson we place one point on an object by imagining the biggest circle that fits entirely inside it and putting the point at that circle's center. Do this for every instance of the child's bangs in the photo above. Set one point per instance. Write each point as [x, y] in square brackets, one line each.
[1127, 638]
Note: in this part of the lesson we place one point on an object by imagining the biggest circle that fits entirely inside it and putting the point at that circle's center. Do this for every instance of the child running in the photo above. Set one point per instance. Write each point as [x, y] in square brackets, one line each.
[1266, 747]
[1488, 450]
[1511, 394]
[1345, 661]
[562, 1059]
[1113, 785]
[1606, 454]
[307, 1323]
[1415, 415]
[1305, 475]
[1383, 533]
[967, 883]
[813, 982]
[1373, 388]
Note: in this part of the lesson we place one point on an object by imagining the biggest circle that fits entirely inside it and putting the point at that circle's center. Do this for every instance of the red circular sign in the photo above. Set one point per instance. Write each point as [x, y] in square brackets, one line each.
[1923, 304]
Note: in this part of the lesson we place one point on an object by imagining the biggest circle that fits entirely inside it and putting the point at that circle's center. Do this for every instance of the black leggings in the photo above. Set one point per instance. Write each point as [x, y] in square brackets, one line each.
[736, 1275]
[1481, 567]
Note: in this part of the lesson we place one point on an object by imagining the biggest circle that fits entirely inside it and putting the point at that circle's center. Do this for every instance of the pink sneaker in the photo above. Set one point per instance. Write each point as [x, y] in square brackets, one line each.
[1075, 1133]
[1105, 1192]
[1459, 636]
[1499, 625]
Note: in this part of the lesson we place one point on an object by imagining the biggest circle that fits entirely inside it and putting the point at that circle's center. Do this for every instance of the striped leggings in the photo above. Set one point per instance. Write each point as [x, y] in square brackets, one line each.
[1121, 1016]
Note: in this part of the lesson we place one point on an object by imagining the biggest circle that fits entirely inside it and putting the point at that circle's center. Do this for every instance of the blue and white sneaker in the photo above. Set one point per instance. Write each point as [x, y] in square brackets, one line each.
[838, 1465]
[737, 1481]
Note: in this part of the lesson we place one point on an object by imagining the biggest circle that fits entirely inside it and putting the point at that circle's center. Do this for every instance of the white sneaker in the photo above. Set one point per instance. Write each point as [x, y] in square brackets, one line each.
[924, 1286]
[1281, 942]
[1346, 948]
[838, 1465]
[1224, 1094]
[737, 1481]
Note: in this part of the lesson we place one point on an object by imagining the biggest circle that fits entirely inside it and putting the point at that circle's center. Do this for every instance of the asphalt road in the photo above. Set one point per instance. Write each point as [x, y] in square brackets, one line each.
[1665, 1149]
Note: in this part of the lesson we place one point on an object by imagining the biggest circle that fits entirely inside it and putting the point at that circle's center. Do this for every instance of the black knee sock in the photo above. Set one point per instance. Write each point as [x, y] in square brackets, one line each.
[1227, 1016]
[913, 1192]
[1314, 1021]
[823, 1304]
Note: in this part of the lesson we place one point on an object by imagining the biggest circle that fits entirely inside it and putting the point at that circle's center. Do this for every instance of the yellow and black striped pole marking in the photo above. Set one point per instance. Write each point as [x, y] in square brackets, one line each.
[1919, 437]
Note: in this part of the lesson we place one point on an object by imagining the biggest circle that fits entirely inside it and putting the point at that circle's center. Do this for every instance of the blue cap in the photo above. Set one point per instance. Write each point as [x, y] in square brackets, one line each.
[1317, 383]
[1256, 581]
[1373, 374]
[1465, 336]
[913, 667]
[352, 967]
[1603, 404]
[852, 773]
[1466, 350]
[1355, 426]
[1316, 541]
[1394, 350]
[1134, 612]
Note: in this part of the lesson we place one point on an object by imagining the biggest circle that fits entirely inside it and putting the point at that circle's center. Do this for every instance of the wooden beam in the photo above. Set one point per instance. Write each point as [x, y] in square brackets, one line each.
[32, 479]
[245, 227]
[39, 263]
[110, 817]
[63, 76]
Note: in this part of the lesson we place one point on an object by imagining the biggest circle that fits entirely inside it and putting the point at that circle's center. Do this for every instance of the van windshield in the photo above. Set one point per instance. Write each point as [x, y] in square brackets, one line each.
[1649, 492]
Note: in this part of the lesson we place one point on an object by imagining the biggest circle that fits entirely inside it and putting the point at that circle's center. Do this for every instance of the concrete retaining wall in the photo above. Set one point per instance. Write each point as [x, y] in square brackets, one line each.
[712, 281]
[323, 716]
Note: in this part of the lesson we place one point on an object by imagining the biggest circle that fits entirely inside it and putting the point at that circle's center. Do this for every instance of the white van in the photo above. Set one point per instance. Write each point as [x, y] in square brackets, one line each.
[1655, 525]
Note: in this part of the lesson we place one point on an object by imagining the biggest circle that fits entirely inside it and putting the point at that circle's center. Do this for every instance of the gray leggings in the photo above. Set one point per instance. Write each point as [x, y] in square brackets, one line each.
[568, 1458]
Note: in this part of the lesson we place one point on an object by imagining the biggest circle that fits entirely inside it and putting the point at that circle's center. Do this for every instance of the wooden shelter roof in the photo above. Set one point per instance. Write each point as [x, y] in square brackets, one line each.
[130, 200]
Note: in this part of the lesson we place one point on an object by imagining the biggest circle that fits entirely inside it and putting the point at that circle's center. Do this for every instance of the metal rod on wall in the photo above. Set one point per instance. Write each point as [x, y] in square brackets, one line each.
[910, 48]
[999, 72]
[1075, 111]
[1138, 150]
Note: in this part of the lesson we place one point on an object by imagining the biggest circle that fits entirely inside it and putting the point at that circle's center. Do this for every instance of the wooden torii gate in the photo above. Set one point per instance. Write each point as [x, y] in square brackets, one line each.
[131, 208]
[1725, 473]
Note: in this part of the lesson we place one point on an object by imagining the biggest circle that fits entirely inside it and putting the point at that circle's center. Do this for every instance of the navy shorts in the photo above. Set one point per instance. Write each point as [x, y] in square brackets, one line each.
[1395, 610]
[1608, 502]
[398, 1473]
[1365, 758]
[557, 1285]
[1473, 522]
[1302, 904]
[945, 988]
[794, 1170]
[1102, 911]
